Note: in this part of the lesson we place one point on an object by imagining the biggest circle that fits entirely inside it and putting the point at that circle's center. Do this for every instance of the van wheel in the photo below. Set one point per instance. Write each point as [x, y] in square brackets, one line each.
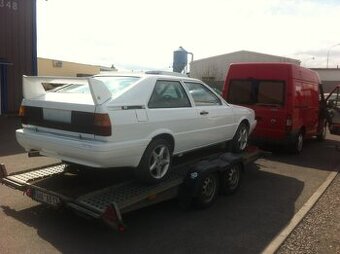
[322, 136]
[240, 140]
[155, 163]
[297, 146]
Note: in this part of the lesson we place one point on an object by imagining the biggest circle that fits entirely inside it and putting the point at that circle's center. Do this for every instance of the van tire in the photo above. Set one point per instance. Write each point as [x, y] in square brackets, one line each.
[297, 145]
[322, 136]
[237, 144]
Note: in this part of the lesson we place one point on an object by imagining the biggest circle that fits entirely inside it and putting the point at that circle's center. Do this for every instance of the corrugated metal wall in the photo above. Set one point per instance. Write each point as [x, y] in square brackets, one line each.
[17, 47]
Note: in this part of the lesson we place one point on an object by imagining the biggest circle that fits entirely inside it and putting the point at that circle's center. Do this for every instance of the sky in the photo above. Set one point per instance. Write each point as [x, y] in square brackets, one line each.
[142, 34]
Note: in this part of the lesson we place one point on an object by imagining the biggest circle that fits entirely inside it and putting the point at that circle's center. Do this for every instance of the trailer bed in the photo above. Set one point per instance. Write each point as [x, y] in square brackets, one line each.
[98, 192]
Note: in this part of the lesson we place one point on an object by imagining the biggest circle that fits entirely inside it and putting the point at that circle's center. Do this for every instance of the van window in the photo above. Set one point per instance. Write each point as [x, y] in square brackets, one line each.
[270, 92]
[240, 92]
[256, 92]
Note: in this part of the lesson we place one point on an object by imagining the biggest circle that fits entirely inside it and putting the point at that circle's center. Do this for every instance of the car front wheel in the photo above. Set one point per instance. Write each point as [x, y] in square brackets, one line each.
[240, 140]
[156, 162]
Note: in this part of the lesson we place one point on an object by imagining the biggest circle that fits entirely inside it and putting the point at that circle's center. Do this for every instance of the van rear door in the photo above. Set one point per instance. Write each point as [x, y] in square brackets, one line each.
[267, 99]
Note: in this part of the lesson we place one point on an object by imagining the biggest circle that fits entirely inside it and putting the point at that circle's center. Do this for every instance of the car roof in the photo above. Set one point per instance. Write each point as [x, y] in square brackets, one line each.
[156, 74]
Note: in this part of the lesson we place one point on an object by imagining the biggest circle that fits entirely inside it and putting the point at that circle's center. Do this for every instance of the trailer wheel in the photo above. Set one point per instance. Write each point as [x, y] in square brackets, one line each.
[207, 191]
[240, 140]
[155, 163]
[230, 179]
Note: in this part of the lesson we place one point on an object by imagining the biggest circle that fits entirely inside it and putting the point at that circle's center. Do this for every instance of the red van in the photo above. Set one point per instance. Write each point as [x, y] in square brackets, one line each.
[285, 97]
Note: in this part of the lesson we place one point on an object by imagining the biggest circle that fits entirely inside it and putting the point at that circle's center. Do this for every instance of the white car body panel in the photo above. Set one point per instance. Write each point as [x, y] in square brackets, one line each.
[133, 123]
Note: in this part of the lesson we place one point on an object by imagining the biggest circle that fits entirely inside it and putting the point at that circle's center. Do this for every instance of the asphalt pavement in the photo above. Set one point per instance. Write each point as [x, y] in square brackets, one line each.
[273, 189]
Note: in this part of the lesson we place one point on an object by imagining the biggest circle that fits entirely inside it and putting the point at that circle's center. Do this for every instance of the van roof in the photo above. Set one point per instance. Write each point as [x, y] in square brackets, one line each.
[272, 70]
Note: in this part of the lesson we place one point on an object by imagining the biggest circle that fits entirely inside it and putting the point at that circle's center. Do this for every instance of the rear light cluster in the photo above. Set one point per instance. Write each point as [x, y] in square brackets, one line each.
[289, 123]
[83, 122]
[102, 125]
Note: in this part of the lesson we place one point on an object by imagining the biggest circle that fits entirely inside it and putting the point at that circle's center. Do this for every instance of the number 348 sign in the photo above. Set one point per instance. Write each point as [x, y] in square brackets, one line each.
[9, 4]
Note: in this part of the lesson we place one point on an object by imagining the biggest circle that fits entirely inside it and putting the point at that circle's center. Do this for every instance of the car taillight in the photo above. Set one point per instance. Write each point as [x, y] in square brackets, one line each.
[289, 123]
[22, 114]
[22, 111]
[102, 124]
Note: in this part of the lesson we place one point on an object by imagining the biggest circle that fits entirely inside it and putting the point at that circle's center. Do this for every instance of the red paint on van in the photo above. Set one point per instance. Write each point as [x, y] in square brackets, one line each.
[284, 96]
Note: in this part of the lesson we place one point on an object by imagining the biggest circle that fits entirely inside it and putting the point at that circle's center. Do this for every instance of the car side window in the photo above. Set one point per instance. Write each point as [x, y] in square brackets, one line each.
[202, 95]
[168, 94]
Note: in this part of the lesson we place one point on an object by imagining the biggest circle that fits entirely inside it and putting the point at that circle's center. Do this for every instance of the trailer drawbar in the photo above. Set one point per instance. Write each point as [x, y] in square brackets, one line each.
[192, 181]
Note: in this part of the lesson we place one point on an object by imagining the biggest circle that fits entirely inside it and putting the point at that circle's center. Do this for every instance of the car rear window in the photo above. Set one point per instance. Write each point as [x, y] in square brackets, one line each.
[114, 84]
[256, 92]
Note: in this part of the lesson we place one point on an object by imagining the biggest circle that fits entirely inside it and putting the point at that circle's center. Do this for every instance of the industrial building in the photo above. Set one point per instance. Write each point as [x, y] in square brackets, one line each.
[330, 78]
[18, 50]
[212, 70]
[52, 67]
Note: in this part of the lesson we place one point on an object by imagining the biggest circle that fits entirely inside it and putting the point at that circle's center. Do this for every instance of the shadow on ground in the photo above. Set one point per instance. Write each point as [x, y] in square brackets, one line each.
[243, 223]
[317, 155]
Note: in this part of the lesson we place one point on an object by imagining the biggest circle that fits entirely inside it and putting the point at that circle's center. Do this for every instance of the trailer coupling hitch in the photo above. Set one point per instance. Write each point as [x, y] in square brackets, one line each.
[3, 171]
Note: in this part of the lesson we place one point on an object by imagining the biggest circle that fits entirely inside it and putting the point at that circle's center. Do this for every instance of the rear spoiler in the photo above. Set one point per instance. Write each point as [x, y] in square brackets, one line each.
[33, 87]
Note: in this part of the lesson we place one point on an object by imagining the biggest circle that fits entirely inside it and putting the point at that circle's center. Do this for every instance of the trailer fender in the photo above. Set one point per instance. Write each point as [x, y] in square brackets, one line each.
[192, 181]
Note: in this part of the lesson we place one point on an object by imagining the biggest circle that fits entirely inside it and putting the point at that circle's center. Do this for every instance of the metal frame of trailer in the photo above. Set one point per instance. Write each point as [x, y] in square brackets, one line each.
[112, 201]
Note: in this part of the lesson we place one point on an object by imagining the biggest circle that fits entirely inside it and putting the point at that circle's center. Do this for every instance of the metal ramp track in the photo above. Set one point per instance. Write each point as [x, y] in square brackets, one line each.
[126, 194]
[30, 175]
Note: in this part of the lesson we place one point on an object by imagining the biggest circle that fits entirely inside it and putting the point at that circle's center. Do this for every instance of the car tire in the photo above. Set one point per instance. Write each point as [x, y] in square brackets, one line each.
[322, 136]
[230, 179]
[155, 163]
[207, 191]
[240, 139]
[297, 145]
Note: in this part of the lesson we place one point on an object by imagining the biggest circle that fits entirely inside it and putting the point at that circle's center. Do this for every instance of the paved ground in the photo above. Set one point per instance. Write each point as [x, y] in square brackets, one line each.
[319, 231]
[273, 190]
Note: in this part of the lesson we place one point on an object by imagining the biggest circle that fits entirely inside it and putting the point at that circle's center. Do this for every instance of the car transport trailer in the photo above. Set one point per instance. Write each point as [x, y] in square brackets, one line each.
[192, 181]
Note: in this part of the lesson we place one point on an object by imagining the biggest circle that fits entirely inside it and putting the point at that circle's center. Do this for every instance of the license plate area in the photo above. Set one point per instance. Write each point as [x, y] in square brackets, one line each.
[46, 198]
[57, 115]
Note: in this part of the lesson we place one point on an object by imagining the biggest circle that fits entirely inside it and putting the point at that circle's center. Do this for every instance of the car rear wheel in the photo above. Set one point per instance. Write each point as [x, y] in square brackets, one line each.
[240, 140]
[155, 163]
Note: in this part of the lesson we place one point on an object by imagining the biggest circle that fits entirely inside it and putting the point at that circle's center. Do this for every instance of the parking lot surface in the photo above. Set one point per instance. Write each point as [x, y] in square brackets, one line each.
[273, 190]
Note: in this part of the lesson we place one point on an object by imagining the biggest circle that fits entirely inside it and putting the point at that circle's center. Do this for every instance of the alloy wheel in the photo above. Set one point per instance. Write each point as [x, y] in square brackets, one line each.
[159, 161]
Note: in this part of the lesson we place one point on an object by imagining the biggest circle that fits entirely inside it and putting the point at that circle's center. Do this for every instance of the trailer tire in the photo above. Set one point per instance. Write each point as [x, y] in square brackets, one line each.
[155, 163]
[207, 191]
[230, 179]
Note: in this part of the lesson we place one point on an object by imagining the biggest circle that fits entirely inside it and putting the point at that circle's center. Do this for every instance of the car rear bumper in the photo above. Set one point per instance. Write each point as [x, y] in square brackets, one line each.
[85, 152]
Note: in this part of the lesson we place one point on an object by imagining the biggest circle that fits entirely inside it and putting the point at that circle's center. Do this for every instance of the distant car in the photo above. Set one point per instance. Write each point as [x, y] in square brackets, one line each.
[135, 120]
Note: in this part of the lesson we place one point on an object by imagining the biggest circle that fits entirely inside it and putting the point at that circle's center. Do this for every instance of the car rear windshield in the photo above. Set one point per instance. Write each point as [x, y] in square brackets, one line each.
[256, 92]
[114, 84]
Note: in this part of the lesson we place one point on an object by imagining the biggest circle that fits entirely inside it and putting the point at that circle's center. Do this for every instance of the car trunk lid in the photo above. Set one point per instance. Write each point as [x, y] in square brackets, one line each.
[61, 112]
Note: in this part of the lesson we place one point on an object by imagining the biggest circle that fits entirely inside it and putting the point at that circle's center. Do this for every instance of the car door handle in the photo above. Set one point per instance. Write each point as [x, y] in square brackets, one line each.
[204, 113]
